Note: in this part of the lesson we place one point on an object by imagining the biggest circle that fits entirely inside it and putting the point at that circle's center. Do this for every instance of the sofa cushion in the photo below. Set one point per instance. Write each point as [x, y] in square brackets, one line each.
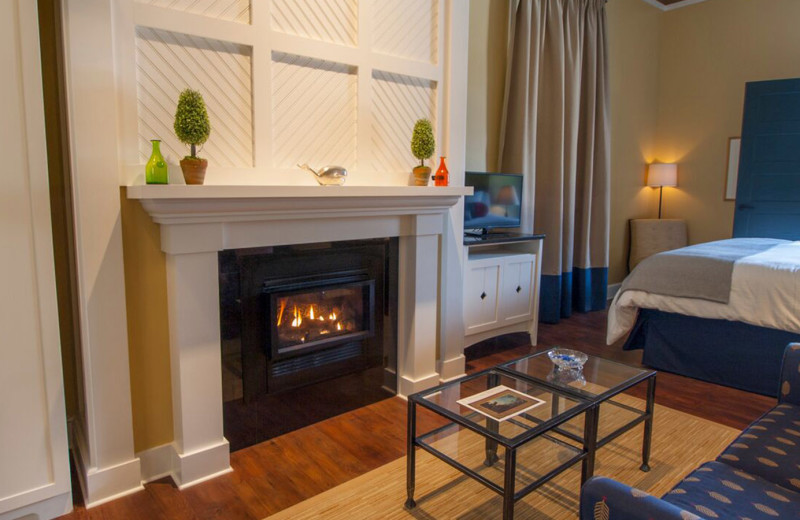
[716, 490]
[770, 447]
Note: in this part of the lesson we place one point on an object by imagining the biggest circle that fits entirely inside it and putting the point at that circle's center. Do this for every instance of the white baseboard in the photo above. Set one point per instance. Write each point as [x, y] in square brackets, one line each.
[450, 369]
[157, 462]
[185, 469]
[47, 509]
[409, 386]
[200, 465]
[101, 485]
[613, 289]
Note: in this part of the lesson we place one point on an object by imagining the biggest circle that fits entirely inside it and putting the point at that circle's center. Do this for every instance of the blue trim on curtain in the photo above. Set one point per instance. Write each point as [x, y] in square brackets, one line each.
[590, 290]
[584, 290]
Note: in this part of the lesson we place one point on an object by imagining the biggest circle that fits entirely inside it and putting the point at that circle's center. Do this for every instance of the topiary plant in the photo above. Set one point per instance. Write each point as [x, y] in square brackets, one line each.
[423, 143]
[191, 121]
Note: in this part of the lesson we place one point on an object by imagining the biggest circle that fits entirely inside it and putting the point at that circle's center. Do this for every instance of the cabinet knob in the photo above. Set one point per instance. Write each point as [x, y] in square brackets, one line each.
[519, 289]
[483, 295]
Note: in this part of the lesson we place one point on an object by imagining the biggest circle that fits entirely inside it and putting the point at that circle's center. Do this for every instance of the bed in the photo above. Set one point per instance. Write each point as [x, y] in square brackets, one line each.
[721, 312]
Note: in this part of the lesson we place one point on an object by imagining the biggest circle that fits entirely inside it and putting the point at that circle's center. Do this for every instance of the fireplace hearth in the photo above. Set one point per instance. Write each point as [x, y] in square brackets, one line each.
[301, 321]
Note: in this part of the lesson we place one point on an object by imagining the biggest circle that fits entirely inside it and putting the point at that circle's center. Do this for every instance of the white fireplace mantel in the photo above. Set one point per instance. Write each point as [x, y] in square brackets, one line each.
[199, 221]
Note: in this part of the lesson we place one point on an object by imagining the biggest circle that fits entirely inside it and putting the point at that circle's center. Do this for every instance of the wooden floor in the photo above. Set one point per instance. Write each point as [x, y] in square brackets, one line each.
[276, 474]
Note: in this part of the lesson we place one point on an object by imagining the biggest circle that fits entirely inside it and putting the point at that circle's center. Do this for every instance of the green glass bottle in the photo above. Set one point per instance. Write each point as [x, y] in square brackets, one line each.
[156, 169]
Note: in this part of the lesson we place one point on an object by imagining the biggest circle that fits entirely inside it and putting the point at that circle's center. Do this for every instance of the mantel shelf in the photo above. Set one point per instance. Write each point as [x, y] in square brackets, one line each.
[181, 204]
[182, 191]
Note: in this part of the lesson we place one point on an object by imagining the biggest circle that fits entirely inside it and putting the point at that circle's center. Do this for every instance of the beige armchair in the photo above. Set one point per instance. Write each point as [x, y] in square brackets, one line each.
[650, 236]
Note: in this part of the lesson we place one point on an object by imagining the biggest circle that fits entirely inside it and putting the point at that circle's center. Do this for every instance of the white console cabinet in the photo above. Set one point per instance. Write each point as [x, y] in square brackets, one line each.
[501, 287]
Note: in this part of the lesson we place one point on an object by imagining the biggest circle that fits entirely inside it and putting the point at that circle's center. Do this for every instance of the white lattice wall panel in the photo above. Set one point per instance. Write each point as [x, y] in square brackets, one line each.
[166, 63]
[230, 10]
[332, 21]
[398, 101]
[406, 28]
[314, 112]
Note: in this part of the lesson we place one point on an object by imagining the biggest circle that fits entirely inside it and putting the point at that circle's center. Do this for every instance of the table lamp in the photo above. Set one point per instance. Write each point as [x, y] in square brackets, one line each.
[660, 175]
[507, 196]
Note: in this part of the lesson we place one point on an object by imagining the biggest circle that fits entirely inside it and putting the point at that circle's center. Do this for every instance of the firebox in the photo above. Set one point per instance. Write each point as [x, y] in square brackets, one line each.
[308, 332]
[313, 313]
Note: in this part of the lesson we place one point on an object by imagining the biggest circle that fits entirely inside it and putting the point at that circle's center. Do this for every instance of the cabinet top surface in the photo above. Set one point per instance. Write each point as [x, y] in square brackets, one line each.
[500, 238]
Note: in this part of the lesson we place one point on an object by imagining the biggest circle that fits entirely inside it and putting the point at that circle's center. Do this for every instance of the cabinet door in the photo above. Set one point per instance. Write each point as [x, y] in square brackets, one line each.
[516, 289]
[480, 295]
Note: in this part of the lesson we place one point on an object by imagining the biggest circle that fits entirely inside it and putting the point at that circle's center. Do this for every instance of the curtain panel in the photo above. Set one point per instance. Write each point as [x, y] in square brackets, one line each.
[556, 132]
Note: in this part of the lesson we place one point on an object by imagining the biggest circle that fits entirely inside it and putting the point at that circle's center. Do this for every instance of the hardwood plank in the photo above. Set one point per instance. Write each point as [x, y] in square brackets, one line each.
[286, 470]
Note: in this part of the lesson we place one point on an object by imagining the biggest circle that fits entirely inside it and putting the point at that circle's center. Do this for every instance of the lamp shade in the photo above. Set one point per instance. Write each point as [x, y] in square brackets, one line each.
[662, 175]
[507, 196]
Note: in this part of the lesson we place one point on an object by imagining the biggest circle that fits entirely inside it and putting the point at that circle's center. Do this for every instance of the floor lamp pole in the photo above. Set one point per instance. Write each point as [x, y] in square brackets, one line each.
[660, 194]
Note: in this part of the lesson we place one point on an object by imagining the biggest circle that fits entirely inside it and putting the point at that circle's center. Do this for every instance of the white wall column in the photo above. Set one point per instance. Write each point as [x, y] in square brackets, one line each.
[451, 333]
[34, 460]
[107, 466]
[418, 305]
[201, 451]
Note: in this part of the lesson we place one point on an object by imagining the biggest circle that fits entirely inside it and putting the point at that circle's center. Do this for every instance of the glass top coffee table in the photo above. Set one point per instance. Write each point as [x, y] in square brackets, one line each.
[496, 428]
[599, 381]
[544, 421]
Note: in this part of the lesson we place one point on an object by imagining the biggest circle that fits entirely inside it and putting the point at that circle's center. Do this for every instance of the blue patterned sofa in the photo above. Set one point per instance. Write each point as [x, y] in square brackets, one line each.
[756, 477]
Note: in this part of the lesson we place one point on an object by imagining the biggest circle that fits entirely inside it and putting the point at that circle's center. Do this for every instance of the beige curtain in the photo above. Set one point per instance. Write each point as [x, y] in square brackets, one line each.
[556, 132]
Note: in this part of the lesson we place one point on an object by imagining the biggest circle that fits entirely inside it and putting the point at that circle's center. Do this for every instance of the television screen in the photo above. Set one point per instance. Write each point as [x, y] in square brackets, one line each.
[496, 201]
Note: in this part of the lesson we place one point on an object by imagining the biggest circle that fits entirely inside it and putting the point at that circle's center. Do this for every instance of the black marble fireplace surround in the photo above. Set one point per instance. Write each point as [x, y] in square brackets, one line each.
[308, 332]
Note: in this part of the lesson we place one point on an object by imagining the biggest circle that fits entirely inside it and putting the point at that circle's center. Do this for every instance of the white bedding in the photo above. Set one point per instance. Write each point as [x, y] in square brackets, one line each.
[765, 291]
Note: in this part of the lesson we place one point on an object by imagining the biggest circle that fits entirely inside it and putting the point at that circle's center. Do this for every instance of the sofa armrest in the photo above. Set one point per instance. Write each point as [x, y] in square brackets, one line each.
[789, 390]
[606, 499]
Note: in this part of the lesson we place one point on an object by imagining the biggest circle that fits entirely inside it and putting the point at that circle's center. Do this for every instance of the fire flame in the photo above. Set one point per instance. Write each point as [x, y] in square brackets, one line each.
[332, 316]
[298, 318]
[338, 326]
[280, 312]
[311, 312]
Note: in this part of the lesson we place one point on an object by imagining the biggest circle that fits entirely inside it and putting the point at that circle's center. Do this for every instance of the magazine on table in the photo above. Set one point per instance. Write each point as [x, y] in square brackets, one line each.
[500, 403]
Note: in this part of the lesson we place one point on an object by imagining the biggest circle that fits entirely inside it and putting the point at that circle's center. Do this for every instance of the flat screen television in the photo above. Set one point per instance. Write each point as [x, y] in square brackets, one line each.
[495, 203]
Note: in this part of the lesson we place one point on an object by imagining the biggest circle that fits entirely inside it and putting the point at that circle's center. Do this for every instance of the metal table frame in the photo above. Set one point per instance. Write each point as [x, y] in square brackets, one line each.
[493, 439]
[645, 416]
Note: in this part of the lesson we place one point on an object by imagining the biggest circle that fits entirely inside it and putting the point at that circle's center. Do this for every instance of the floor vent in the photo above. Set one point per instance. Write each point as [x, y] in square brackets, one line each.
[318, 359]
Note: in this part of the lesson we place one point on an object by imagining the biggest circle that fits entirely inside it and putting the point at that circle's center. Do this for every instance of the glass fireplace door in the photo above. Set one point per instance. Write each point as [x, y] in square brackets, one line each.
[311, 314]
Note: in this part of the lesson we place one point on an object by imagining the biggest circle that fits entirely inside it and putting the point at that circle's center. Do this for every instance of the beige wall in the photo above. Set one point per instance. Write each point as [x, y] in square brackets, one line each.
[488, 20]
[148, 328]
[677, 90]
[633, 29]
[633, 40]
[677, 83]
[707, 53]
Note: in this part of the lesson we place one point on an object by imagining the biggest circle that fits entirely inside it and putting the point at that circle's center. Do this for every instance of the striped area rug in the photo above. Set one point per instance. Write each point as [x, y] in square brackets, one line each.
[680, 443]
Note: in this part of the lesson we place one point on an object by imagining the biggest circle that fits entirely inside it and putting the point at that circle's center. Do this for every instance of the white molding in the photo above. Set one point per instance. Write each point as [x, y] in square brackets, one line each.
[672, 7]
[612, 290]
[453, 368]
[197, 222]
[52, 507]
[157, 462]
[107, 465]
[34, 459]
[684, 3]
[407, 386]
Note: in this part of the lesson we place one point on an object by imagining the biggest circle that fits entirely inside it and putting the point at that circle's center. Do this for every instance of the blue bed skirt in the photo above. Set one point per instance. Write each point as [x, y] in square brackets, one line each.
[728, 353]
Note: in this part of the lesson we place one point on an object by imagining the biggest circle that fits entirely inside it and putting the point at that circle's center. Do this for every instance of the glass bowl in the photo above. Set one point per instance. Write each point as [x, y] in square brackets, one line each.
[566, 358]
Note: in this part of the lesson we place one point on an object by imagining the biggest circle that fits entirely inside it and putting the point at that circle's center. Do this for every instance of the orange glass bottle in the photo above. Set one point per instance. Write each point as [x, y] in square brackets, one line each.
[442, 177]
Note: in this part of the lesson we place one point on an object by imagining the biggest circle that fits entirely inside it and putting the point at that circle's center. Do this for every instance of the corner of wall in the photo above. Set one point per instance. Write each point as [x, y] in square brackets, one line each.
[148, 328]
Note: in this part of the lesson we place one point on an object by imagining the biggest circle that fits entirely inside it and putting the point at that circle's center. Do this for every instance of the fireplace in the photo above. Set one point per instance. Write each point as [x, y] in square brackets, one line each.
[317, 312]
[197, 223]
[309, 331]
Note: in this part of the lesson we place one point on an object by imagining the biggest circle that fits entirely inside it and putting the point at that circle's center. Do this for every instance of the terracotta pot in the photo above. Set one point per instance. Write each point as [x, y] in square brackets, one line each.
[194, 170]
[422, 175]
